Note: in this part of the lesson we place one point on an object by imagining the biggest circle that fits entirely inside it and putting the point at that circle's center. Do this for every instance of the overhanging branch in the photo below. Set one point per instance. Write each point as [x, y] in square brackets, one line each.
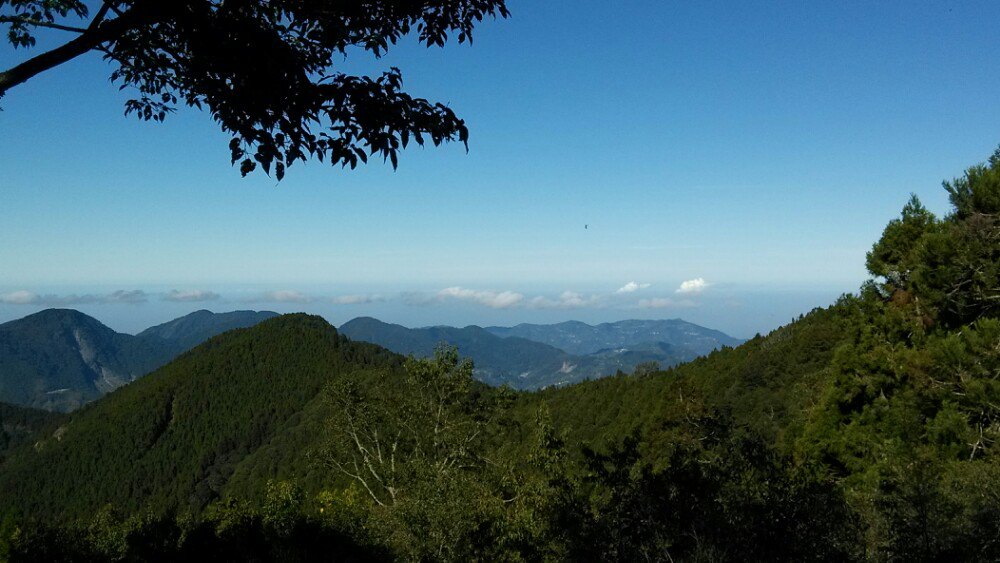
[88, 40]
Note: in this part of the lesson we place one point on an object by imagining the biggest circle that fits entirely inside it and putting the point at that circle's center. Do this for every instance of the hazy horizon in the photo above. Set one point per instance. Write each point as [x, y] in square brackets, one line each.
[738, 311]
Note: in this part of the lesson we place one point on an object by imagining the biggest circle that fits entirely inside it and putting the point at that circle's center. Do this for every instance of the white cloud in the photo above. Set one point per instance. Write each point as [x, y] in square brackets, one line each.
[355, 299]
[294, 296]
[21, 297]
[25, 297]
[693, 287]
[566, 300]
[285, 296]
[656, 303]
[419, 299]
[632, 287]
[494, 299]
[131, 297]
[664, 302]
[191, 296]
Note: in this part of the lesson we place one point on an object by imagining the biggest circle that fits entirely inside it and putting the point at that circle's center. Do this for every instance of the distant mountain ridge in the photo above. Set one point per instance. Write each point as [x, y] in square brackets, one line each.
[525, 356]
[191, 330]
[523, 364]
[61, 359]
[576, 337]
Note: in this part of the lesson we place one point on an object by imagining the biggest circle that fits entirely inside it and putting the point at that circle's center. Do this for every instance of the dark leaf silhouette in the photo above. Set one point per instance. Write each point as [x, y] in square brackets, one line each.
[265, 70]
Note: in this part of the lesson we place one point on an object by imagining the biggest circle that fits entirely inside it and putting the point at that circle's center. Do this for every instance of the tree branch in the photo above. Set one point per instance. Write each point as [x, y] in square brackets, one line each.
[39, 23]
[91, 39]
[360, 479]
[99, 17]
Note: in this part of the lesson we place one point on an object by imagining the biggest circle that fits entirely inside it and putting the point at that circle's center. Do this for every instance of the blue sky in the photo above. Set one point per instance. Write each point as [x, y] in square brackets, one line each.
[758, 146]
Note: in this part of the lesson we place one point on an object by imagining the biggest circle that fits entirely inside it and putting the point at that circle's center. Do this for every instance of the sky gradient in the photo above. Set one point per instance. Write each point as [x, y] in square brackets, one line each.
[760, 147]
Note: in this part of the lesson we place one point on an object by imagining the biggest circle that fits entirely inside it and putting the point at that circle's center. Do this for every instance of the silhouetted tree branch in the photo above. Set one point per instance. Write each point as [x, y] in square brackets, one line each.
[263, 69]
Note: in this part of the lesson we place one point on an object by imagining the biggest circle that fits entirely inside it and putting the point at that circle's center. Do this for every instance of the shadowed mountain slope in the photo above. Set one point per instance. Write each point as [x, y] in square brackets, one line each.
[61, 359]
[191, 330]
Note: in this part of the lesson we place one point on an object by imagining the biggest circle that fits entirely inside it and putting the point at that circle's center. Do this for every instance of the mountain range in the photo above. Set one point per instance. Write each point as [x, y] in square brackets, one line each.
[534, 356]
[580, 338]
[254, 404]
[61, 359]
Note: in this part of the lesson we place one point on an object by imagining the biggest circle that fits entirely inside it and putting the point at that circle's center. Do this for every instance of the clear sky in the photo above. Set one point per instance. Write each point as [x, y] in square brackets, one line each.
[757, 146]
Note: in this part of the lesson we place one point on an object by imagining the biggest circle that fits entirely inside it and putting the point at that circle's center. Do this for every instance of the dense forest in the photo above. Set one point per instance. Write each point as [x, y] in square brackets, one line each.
[18, 425]
[865, 431]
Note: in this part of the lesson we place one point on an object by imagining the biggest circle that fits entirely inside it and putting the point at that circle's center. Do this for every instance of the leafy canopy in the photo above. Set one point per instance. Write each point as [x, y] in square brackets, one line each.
[948, 270]
[264, 69]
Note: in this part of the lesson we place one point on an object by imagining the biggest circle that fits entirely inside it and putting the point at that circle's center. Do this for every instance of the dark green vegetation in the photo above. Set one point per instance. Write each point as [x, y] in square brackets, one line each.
[866, 431]
[522, 363]
[580, 338]
[60, 359]
[19, 426]
[173, 439]
[267, 71]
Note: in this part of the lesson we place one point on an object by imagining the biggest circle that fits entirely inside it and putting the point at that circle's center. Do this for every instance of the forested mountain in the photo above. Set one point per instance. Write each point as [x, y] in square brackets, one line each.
[519, 362]
[866, 431]
[264, 404]
[580, 338]
[60, 359]
[259, 405]
[172, 439]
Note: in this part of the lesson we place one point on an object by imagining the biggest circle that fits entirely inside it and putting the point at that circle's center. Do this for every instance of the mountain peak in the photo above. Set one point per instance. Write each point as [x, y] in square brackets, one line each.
[58, 315]
[200, 325]
[60, 359]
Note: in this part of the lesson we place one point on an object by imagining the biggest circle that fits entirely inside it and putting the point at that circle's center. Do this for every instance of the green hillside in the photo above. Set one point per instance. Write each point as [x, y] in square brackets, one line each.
[171, 440]
[20, 426]
[764, 385]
